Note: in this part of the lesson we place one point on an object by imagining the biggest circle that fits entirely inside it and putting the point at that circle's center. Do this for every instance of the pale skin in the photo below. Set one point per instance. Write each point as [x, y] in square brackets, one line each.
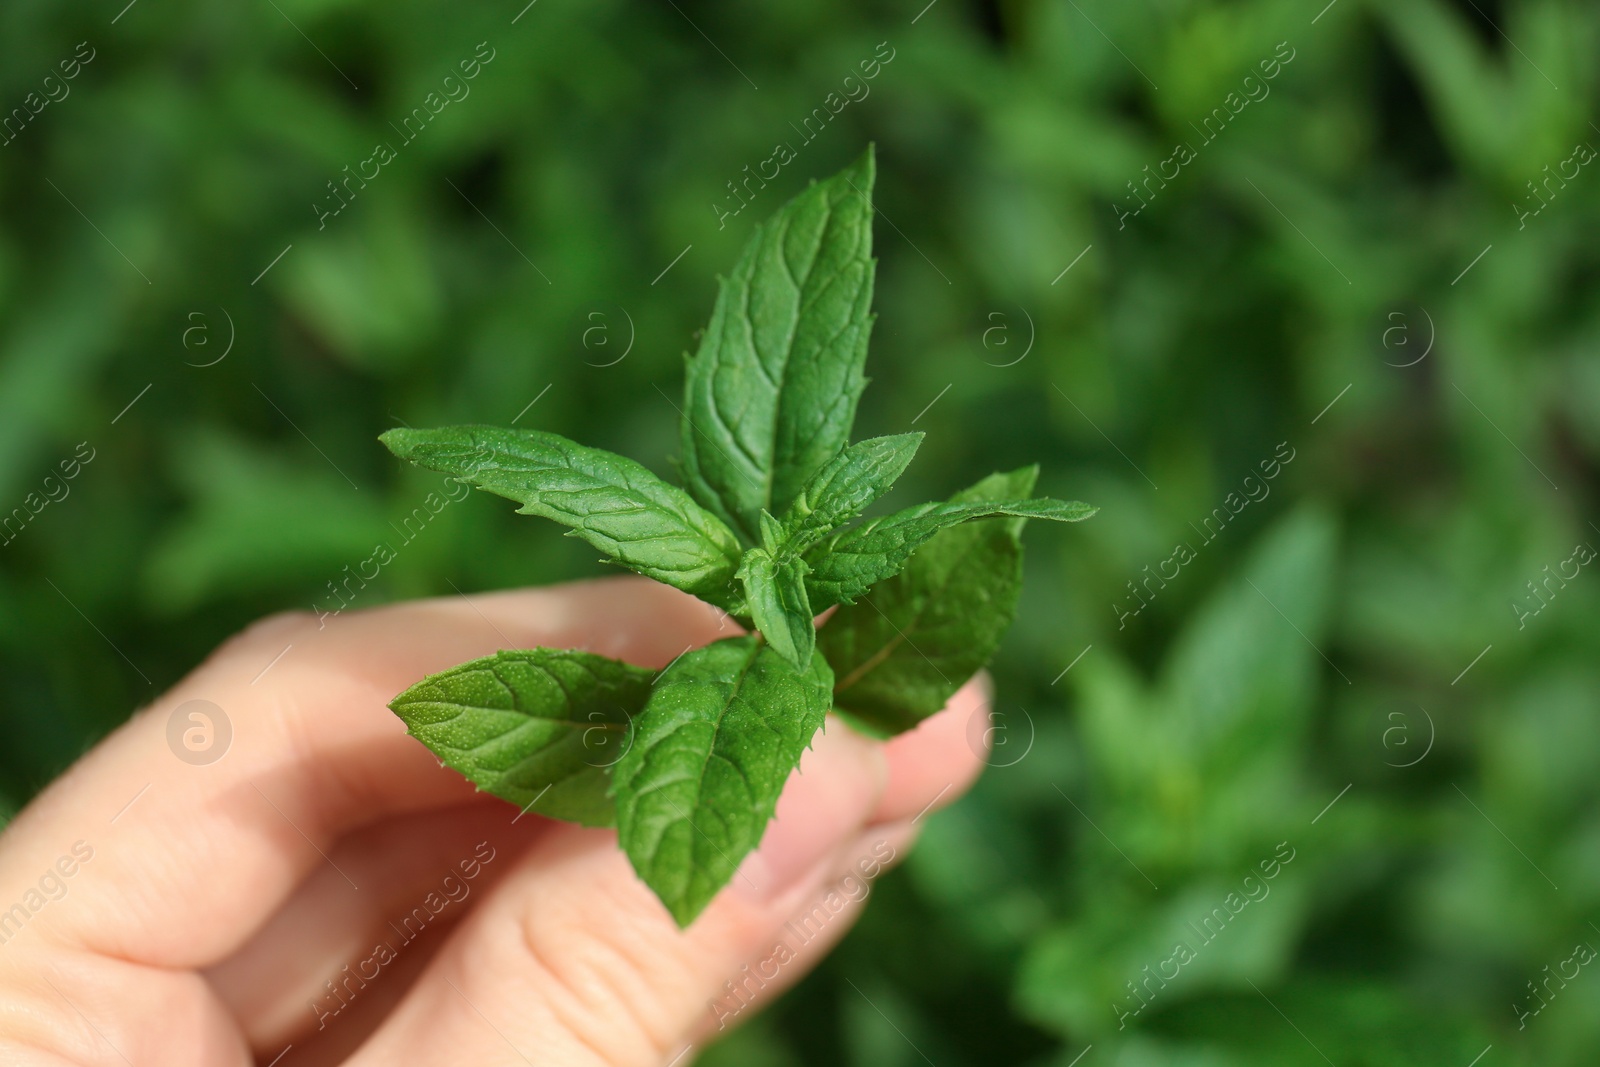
[216, 907]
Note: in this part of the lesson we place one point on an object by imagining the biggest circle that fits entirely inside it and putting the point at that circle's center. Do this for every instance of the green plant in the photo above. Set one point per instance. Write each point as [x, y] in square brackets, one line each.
[765, 530]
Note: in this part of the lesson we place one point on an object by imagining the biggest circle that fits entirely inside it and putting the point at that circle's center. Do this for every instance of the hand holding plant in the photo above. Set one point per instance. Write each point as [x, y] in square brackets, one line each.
[766, 531]
[307, 888]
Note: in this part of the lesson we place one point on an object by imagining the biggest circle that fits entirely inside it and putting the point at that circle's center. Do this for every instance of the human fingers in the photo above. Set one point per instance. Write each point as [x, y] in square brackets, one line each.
[572, 961]
[190, 860]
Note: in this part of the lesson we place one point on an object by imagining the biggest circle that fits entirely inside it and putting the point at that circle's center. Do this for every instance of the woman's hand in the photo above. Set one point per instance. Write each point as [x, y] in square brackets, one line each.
[317, 889]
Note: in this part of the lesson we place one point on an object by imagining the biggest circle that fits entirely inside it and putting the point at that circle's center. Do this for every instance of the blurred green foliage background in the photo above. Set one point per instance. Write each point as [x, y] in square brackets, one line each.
[1318, 251]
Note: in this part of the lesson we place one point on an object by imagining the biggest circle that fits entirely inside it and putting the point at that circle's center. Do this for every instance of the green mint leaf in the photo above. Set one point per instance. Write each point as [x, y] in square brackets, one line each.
[724, 727]
[771, 394]
[538, 727]
[936, 623]
[773, 534]
[615, 504]
[849, 563]
[845, 485]
[776, 592]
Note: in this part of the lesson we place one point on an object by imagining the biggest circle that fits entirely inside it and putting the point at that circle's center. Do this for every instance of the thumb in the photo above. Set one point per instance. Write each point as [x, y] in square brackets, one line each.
[571, 960]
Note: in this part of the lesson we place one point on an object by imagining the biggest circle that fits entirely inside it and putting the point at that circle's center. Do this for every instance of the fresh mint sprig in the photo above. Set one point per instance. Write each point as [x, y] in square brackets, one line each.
[687, 763]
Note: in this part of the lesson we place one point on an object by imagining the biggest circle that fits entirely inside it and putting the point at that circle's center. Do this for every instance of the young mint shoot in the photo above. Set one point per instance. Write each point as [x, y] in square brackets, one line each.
[687, 763]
